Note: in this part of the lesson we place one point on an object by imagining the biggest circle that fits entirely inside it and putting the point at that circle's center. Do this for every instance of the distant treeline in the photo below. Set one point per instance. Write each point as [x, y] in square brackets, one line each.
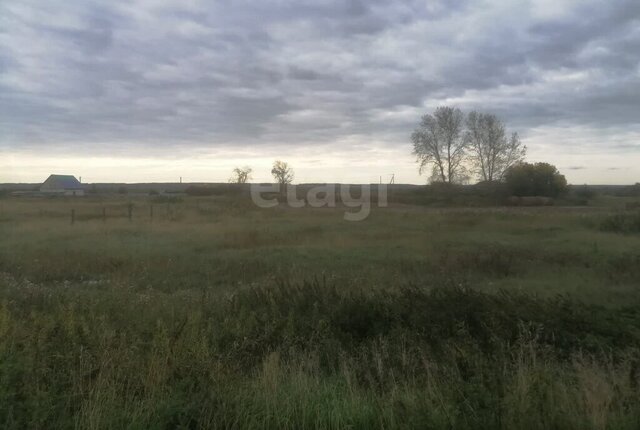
[437, 194]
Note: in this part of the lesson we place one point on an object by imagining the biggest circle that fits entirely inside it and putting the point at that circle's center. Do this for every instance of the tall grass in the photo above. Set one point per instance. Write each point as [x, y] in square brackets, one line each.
[313, 355]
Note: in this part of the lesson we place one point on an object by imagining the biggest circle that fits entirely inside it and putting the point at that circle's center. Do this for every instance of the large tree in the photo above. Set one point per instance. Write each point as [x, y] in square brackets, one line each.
[439, 142]
[491, 151]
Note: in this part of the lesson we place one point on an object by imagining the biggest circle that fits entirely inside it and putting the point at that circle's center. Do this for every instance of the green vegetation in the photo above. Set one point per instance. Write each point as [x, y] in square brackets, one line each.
[217, 314]
[539, 179]
[622, 223]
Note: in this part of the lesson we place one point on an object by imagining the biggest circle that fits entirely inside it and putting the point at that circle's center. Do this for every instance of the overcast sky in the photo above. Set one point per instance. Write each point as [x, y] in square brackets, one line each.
[152, 90]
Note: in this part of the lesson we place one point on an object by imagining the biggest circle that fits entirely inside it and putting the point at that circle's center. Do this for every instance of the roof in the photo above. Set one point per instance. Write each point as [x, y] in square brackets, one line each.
[66, 182]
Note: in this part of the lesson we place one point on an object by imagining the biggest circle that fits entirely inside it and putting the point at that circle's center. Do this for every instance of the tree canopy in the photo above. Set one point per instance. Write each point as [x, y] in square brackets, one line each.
[454, 146]
[439, 142]
[539, 179]
[282, 172]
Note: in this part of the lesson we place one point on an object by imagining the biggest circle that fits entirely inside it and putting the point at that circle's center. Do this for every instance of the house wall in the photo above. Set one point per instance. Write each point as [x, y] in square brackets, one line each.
[48, 187]
[63, 192]
[77, 193]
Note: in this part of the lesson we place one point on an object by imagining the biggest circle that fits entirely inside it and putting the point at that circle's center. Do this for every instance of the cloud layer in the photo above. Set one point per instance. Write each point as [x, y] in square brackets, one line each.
[156, 77]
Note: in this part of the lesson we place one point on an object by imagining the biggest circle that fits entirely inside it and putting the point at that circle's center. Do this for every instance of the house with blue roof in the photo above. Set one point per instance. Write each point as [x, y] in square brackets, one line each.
[65, 185]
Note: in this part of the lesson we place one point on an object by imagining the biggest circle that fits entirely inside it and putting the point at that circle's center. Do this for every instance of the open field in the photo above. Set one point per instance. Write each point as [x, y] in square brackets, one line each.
[217, 314]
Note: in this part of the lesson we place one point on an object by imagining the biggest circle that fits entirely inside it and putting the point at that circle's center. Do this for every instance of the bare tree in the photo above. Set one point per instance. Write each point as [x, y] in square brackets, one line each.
[241, 175]
[492, 152]
[282, 172]
[440, 142]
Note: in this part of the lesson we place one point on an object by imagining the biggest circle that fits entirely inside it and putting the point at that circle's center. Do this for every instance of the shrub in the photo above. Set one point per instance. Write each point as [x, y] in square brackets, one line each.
[621, 223]
[539, 179]
[585, 192]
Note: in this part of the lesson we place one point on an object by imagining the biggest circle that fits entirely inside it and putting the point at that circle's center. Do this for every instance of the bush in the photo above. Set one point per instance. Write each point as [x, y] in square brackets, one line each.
[585, 192]
[539, 179]
[621, 223]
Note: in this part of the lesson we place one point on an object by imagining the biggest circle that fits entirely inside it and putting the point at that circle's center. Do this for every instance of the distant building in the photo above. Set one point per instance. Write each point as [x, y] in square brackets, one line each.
[65, 185]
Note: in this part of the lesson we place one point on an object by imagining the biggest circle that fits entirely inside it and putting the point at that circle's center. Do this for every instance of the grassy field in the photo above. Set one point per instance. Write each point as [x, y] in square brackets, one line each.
[218, 314]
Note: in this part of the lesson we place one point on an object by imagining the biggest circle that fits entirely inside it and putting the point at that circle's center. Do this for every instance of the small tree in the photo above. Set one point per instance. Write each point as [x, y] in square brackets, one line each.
[282, 172]
[492, 152]
[539, 179]
[241, 175]
[439, 142]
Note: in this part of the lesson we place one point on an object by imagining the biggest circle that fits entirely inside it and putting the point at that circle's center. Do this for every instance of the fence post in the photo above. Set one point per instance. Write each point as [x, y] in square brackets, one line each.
[130, 207]
[73, 216]
[104, 214]
[151, 211]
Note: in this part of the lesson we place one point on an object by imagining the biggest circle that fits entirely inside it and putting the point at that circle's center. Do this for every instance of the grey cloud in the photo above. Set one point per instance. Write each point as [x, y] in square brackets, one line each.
[144, 76]
[303, 74]
[96, 37]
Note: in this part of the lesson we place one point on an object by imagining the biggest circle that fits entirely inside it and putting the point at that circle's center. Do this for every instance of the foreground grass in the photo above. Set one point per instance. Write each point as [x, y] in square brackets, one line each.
[223, 316]
[314, 356]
